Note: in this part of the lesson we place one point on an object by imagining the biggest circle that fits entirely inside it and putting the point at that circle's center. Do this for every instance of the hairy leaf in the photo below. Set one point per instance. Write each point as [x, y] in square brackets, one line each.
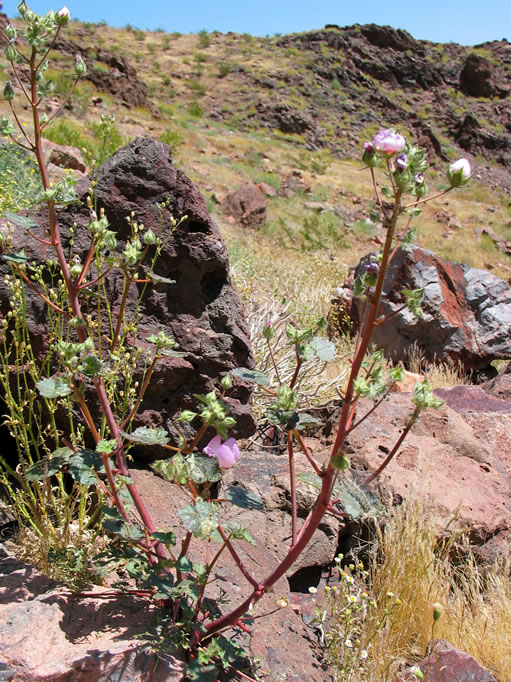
[147, 436]
[53, 388]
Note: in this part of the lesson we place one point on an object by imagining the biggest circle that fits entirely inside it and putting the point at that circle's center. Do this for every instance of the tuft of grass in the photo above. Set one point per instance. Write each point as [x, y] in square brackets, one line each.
[19, 178]
[409, 563]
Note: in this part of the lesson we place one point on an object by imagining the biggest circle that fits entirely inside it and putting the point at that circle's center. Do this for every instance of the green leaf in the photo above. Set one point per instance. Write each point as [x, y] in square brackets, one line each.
[81, 465]
[147, 436]
[168, 537]
[92, 365]
[199, 518]
[20, 220]
[242, 498]
[252, 375]
[20, 258]
[53, 388]
[387, 192]
[114, 523]
[48, 467]
[184, 564]
[323, 348]
[203, 468]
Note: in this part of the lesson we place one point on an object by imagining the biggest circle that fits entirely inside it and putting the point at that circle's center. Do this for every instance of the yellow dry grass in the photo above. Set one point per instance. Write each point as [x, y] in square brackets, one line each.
[409, 562]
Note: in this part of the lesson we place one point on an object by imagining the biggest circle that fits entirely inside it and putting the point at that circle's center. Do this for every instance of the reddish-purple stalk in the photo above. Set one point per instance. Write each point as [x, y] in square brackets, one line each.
[322, 504]
[73, 294]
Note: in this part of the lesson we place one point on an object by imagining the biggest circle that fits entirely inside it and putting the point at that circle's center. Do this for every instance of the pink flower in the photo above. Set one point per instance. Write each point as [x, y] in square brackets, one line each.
[389, 142]
[226, 453]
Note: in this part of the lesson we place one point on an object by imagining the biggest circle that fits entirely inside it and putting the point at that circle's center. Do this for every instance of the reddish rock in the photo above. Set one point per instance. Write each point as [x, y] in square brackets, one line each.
[459, 463]
[247, 205]
[47, 634]
[467, 312]
[445, 663]
[63, 156]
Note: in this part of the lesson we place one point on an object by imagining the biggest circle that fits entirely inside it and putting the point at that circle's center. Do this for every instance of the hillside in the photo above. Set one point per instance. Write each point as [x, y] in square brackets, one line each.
[236, 108]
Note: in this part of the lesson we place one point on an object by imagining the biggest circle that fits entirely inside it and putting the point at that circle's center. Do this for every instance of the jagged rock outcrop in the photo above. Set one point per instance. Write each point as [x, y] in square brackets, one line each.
[200, 309]
[467, 312]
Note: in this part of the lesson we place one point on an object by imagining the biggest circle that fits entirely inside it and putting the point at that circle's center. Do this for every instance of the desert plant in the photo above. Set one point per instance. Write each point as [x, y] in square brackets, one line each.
[89, 370]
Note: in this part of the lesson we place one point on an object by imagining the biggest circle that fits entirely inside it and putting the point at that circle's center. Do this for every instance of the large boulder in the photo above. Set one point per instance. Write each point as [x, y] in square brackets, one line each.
[467, 312]
[246, 205]
[456, 459]
[200, 308]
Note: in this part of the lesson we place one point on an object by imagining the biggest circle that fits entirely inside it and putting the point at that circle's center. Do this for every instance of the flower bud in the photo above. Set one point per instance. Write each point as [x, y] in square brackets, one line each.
[80, 67]
[10, 32]
[226, 382]
[401, 162]
[268, 330]
[459, 172]
[149, 237]
[340, 461]
[63, 16]
[10, 51]
[8, 91]
[369, 156]
[437, 611]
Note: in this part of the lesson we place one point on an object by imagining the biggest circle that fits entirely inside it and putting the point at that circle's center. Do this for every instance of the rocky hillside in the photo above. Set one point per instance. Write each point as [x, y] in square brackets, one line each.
[241, 108]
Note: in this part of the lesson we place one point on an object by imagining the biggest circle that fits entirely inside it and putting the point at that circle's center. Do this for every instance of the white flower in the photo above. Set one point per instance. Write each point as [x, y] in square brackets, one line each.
[459, 172]
[313, 590]
[352, 599]
[363, 654]
[348, 643]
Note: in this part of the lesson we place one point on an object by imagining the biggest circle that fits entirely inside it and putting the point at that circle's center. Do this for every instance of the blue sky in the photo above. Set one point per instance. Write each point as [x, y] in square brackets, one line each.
[468, 22]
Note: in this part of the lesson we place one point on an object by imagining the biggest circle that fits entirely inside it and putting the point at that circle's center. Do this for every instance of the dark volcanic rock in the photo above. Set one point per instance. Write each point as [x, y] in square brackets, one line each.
[283, 117]
[467, 312]
[477, 78]
[201, 309]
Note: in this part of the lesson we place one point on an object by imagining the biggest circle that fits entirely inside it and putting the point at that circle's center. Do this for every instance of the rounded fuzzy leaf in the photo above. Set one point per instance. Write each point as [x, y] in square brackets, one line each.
[53, 388]
[147, 436]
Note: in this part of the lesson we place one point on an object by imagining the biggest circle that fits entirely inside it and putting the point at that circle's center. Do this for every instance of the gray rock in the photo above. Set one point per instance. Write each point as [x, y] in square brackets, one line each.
[467, 312]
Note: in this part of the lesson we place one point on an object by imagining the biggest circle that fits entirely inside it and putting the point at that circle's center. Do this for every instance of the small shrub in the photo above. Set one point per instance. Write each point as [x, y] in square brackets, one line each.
[173, 138]
[204, 39]
[194, 109]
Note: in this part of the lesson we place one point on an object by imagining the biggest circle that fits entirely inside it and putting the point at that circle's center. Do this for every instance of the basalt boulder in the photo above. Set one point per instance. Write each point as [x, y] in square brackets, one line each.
[466, 311]
[192, 299]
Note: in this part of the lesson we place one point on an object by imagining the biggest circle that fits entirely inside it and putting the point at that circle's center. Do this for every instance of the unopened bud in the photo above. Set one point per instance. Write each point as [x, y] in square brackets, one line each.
[340, 461]
[80, 67]
[10, 32]
[63, 16]
[10, 51]
[459, 172]
[437, 611]
[226, 382]
[268, 330]
[8, 91]
[149, 237]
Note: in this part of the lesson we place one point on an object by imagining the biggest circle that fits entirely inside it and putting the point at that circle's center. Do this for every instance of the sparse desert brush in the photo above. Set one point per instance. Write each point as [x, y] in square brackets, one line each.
[409, 571]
